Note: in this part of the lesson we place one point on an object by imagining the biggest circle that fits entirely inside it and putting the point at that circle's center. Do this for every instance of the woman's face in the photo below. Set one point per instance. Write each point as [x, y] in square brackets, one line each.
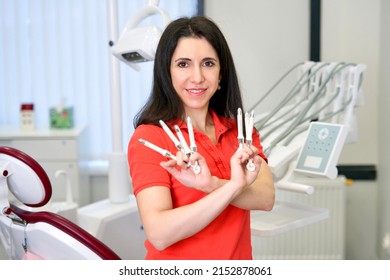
[195, 72]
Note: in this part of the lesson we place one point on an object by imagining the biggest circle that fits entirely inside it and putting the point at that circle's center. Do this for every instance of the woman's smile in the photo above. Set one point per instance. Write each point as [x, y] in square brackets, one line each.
[196, 91]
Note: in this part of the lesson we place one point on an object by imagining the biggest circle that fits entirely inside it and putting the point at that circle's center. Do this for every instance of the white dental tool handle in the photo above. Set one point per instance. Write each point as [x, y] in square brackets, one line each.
[249, 127]
[193, 148]
[170, 134]
[157, 149]
[191, 135]
[183, 142]
[246, 123]
[249, 122]
[69, 195]
[195, 168]
[240, 135]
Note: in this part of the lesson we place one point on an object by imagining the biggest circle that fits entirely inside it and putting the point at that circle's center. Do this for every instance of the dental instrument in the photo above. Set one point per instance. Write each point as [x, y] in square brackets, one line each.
[249, 122]
[191, 134]
[193, 146]
[180, 144]
[183, 142]
[187, 151]
[177, 143]
[165, 153]
[240, 135]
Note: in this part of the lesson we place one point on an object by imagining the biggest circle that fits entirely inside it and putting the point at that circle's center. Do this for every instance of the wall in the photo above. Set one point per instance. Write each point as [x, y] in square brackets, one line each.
[384, 134]
[351, 33]
[354, 37]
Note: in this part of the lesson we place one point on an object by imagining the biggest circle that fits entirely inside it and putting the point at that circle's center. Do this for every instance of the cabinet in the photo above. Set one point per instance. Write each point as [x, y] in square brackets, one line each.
[55, 150]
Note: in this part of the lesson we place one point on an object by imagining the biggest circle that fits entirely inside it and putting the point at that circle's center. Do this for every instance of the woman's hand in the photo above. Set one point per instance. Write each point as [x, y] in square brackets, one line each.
[183, 172]
[240, 176]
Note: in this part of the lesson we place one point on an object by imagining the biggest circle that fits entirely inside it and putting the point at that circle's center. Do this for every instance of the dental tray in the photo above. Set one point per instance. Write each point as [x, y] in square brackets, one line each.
[285, 216]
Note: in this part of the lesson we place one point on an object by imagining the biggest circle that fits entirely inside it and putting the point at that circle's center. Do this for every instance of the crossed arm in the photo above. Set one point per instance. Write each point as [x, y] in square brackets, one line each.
[165, 225]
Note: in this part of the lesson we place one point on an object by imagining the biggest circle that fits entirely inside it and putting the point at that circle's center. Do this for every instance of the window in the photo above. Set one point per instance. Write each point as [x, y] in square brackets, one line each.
[55, 51]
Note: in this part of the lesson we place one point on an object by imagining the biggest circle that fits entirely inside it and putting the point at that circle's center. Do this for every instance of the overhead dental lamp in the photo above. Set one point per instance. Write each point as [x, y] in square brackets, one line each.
[138, 43]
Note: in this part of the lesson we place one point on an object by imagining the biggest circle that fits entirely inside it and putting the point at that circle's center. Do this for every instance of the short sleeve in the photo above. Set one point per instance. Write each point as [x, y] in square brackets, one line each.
[144, 163]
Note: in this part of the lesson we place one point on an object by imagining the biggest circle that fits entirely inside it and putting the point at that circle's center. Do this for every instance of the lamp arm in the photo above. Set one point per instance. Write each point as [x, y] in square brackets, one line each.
[147, 11]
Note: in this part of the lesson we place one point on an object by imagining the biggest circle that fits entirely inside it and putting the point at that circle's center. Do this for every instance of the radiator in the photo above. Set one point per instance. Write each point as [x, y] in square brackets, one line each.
[320, 240]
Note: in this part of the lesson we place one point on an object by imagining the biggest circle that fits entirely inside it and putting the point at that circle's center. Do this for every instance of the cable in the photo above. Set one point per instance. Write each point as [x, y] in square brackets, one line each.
[290, 95]
[300, 118]
[274, 86]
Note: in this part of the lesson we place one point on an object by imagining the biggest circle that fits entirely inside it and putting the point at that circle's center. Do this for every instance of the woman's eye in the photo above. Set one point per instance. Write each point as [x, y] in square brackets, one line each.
[182, 64]
[209, 63]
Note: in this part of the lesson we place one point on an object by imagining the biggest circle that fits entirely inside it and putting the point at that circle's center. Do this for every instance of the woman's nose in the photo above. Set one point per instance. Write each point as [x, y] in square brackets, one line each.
[197, 75]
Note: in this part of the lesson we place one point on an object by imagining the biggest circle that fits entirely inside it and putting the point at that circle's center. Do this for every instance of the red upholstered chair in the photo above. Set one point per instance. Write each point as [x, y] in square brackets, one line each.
[38, 235]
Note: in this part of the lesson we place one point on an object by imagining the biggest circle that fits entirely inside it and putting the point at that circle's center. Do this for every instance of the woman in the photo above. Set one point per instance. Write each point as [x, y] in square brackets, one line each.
[187, 215]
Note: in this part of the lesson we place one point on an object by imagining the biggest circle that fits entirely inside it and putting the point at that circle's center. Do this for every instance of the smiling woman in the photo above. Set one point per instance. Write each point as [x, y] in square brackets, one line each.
[201, 213]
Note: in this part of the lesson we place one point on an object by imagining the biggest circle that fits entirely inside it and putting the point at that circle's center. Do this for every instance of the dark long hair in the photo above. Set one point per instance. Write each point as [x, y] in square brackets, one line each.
[164, 103]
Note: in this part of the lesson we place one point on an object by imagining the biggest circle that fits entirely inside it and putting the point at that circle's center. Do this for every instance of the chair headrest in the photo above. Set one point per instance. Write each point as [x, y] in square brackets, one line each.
[25, 177]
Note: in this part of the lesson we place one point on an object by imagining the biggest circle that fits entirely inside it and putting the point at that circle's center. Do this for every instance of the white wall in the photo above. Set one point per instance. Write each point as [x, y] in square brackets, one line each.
[384, 134]
[351, 33]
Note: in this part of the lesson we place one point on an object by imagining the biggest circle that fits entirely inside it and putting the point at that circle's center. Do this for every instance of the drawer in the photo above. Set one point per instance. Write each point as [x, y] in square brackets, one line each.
[41, 149]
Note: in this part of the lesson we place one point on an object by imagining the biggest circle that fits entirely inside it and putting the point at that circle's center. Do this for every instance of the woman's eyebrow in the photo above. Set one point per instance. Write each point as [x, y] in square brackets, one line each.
[188, 59]
[210, 58]
[182, 59]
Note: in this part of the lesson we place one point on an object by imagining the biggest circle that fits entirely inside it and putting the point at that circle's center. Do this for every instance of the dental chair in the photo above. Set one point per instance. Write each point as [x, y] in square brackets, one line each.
[38, 235]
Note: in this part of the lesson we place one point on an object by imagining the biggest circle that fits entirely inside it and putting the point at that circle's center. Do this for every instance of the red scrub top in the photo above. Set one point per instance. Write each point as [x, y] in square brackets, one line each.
[229, 235]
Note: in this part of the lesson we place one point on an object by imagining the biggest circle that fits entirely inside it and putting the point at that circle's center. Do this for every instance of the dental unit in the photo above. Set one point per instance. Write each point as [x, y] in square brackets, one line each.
[303, 136]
